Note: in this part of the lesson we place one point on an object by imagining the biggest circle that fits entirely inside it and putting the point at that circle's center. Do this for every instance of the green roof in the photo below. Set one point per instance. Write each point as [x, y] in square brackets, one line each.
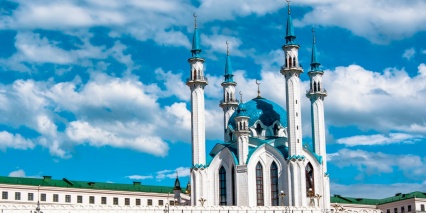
[367, 201]
[65, 183]
[349, 200]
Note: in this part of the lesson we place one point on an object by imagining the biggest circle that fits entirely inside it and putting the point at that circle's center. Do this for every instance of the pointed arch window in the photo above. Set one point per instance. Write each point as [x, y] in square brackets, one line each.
[259, 185]
[294, 62]
[276, 130]
[274, 184]
[319, 88]
[310, 182]
[315, 87]
[258, 130]
[222, 186]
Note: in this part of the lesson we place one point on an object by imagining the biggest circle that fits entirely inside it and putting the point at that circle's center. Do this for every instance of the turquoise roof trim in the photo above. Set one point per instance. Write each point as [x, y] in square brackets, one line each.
[196, 48]
[264, 110]
[281, 150]
[232, 147]
[229, 76]
[307, 146]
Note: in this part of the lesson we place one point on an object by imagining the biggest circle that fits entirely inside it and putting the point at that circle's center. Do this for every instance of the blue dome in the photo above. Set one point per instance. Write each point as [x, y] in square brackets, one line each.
[264, 110]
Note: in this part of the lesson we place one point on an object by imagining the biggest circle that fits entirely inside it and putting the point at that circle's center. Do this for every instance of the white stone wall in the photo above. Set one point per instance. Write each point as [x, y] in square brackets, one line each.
[163, 209]
[266, 155]
[198, 125]
[85, 193]
[294, 116]
[414, 202]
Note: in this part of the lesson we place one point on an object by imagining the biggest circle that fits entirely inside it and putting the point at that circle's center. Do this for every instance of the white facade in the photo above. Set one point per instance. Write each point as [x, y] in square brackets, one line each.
[18, 194]
[404, 206]
[263, 160]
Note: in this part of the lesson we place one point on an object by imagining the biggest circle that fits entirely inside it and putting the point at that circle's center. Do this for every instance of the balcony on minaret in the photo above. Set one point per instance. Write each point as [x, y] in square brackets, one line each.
[316, 89]
[197, 79]
[230, 101]
[320, 91]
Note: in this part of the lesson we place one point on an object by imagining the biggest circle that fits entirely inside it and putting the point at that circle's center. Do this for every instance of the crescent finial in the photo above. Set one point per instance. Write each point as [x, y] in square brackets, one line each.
[288, 2]
[195, 19]
[258, 89]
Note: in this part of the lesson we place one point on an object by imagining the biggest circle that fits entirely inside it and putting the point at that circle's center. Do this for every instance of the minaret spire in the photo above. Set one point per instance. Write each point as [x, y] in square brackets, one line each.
[315, 65]
[229, 76]
[290, 37]
[196, 49]
[229, 102]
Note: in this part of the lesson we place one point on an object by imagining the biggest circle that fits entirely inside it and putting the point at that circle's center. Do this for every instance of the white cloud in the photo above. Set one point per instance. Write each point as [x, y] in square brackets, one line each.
[409, 53]
[368, 163]
[375, 190]
[17, 173]
[33, 49]
[378, 139]
[139, 177]
[81, 132]
[228, 10]
[173, 84]
[424, 51]
[8, 140]
[180, 171]
[380, 23]
[142, 20]
[217, 44]
[367, 99]
[376, 21]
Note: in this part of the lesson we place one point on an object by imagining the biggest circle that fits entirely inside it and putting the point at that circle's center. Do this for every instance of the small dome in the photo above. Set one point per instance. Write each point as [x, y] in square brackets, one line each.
[264, 110]
[241, 110]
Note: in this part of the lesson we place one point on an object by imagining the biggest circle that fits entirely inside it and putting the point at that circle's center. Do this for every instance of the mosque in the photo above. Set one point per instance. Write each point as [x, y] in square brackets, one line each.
[263, 160]
[262, 164]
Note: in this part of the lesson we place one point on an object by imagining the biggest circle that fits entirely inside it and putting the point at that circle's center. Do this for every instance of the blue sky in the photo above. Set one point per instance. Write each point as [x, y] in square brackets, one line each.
[95, 90]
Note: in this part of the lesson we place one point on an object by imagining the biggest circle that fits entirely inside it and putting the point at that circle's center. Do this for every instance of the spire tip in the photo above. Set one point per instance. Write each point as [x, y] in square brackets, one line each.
[288, 2]
[313, 35]
[195, 19]
[227, 47]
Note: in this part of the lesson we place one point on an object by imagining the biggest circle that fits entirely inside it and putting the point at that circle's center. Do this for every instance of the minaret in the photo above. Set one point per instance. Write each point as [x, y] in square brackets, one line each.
[229, 102]
[316, 94]
[196, 83]
[291, 71]
[242, 132]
